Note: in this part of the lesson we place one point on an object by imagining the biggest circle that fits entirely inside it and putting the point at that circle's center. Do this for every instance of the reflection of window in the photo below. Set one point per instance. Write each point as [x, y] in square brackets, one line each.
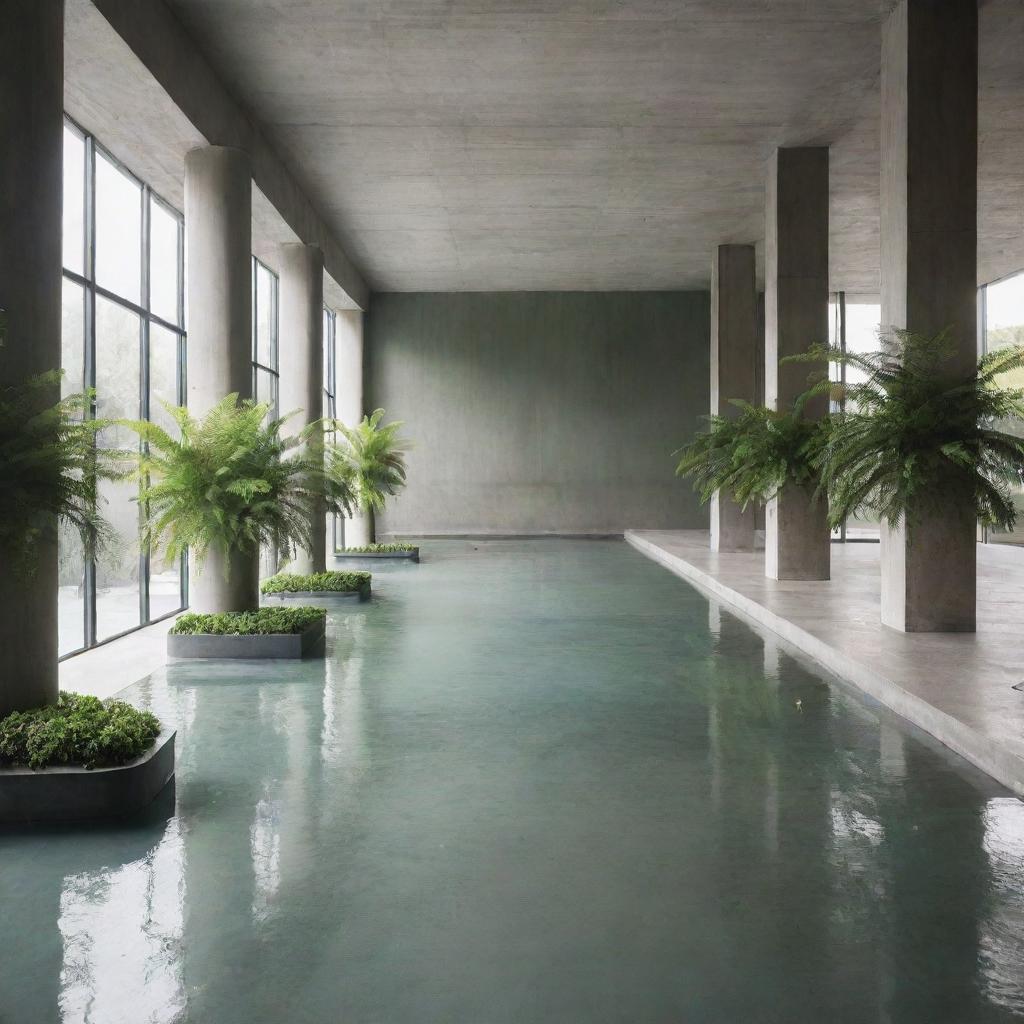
[853, 327]
[123, 335]
[1003, 320]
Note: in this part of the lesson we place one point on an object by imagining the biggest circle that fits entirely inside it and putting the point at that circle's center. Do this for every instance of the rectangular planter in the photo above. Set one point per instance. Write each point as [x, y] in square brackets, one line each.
[68, 793]
[266, 645]
[408, 556]
[362, 594]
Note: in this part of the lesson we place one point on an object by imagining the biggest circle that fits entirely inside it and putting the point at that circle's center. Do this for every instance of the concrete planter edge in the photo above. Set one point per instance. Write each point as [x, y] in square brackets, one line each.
[362, 594]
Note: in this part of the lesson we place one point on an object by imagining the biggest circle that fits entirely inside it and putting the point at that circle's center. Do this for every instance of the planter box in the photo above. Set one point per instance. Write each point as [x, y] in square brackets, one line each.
[264, 645]
[362, 594]
[408, 556]
[78, 794]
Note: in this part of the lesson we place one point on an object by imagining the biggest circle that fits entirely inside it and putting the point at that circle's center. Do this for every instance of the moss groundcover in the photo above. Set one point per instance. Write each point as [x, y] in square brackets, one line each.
[326, 582]
[263, 622]
[378, 549]
[77, 730]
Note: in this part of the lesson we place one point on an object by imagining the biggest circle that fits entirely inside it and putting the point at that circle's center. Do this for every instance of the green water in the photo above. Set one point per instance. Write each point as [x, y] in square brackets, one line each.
[532, 781]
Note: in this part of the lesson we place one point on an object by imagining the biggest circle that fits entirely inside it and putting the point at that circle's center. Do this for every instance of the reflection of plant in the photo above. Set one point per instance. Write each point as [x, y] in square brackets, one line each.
[78, 729]
[752, 455]
[232, 482]
[372, 457]
[50, 468]
[915, 435]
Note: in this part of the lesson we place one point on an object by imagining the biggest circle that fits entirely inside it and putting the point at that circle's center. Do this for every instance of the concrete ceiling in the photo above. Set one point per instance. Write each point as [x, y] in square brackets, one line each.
[584, 144]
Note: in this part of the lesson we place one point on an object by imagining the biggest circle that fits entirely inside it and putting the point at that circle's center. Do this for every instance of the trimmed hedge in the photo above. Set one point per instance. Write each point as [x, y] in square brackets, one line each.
[262, 622]
[77, 730]
[377, 549]
[335, 582]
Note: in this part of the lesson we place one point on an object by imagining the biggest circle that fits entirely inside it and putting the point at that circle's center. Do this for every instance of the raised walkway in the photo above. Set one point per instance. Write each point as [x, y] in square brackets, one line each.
[957, 687]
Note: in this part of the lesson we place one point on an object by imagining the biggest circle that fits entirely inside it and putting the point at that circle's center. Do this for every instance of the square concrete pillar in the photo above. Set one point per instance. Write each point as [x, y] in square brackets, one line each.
[734, 354]
[929, 150]
[797, 535]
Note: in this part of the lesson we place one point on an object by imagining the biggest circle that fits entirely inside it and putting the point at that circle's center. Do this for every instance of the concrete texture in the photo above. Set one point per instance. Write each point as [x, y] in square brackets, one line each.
[540, 413]
[929, 242]
[31, 122]
[301, 365]
[957, 688]
[736, 348]
[74, 794]
[797, 536]
[537, 782]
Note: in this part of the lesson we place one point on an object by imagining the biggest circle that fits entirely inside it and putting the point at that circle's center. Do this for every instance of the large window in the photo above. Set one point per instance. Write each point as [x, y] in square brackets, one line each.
[1002, 310]
[330, 402]
[853, 327]
[265, 372]
[124, 337]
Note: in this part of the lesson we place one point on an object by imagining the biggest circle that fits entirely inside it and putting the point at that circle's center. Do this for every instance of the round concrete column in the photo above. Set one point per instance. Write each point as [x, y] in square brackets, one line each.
[349, 355]
[301, 364]
[31, 122]
[218, 227]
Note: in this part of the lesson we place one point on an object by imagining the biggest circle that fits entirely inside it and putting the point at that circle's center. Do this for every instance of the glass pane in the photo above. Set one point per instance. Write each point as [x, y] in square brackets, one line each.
[266, 388]
[1004, 325]
[117, 395]
[72, 348]
[862, 325]
[265, 326]
[164, 282]
[71, 592]
[163, 376]
[118, 230]
[328, 351]
[164, 585]
[74, 201]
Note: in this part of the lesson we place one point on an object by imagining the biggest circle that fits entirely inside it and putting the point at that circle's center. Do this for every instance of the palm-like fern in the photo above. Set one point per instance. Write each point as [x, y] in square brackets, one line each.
[50, 469]
[232, 482]
[751, 456]
[915, 435]
[372, 458]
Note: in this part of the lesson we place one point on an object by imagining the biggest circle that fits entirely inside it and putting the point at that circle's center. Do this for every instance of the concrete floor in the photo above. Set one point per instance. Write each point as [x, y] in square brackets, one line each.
[532, 781]
[957, 687]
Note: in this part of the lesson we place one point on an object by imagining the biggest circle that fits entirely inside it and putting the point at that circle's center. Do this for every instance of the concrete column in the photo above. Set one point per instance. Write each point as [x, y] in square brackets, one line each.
[734, 354]
[797, 536]
[929, 272]
[301, 364]
[358, 529]
[31, 174]
[218, 228]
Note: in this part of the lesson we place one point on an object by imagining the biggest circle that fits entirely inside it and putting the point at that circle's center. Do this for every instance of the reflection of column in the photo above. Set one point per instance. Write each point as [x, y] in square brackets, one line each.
[218, 214]
[358, 530]
[301, 364]
[31, 123]
[797, 535]
[929, 274]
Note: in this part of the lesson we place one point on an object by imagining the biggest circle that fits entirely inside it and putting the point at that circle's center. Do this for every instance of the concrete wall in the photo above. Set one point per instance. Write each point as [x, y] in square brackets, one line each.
[537, 412]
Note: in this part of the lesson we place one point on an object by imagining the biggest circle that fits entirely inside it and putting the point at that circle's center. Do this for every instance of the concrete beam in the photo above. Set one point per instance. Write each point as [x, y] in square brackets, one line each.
[218, 212]
[301, 364]
[797, 536]
[734, 354]
[161, 43]
[31, 122]
[929, 255]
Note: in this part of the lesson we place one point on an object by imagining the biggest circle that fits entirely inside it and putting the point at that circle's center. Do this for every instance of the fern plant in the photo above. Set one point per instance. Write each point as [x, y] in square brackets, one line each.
[232, 482]
[753, 455]
[50, 469]
[370, 457]
[916, 435]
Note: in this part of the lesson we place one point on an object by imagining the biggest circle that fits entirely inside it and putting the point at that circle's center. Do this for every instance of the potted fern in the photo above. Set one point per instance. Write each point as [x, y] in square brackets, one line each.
[371, 456]
[227, 485]
[916, 438]
[752, 456]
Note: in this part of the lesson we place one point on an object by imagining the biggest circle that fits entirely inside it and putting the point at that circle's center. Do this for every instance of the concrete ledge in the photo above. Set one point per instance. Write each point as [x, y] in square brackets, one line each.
[362, 594]
[408, 556]
[265, 645]
[65, 794]
[1001, 759]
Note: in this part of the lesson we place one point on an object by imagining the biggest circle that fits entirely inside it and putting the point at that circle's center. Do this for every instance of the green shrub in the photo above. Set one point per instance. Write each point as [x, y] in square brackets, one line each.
[262, 622]
[335, 582]
[378, 549]
[78, 729]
